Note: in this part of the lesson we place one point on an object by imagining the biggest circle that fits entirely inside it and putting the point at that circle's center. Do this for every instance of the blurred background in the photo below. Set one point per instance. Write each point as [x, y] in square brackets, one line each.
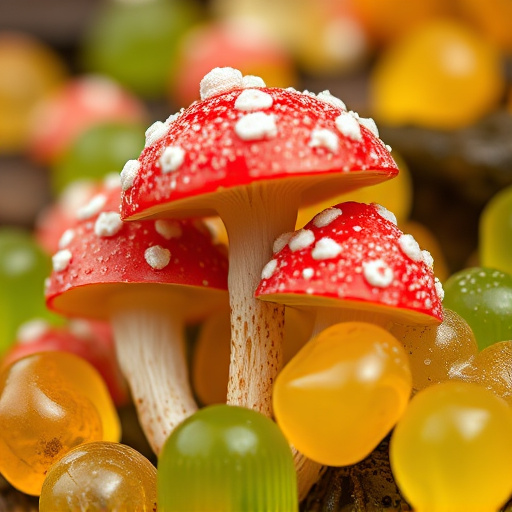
[80, 81]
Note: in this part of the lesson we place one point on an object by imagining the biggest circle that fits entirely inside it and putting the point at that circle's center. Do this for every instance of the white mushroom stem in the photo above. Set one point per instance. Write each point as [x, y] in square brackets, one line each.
[327, 316]
[254, 217]
[150, 347]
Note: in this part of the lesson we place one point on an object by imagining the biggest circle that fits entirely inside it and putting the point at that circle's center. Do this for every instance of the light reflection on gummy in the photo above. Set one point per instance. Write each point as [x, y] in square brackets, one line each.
[343, 392]
[226, 458]
[100, 476]
[48, 404]
[483, 297]
[450, 452]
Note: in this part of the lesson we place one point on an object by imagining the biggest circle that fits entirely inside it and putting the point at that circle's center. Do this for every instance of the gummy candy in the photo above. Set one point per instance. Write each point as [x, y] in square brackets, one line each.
[99, 476]
[101, 149]
[442, 75]
[49, 403]
[492, 368]
[226, 458]
[483, 297]
[437, 353]
[495, 232]
[136, 43]
[451, 448]
[29, 71]
[23, 269]
[343, 392]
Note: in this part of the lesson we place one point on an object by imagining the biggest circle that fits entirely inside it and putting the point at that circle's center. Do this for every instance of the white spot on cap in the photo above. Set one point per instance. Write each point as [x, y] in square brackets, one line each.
[281, 241]
[171, 159]
[112, 180]
[255, 126]
[385, 213]
[302, 239]
[252, 81]
[253, 99]
[308, 273]
[378, 273]
[220, 80]
[157, 257]
[370, 124]
[92, 208]
[32, 330]
[427, 258]
[108, 224]
[326, 217]
[327, 97]
[439, 288]
[155, 132]
[61, 260]
[348, 125]
[130, 170]
[324, 138]
[168, 228]
[410, 247]
[269, 269]
[325, 248]
[66, 238]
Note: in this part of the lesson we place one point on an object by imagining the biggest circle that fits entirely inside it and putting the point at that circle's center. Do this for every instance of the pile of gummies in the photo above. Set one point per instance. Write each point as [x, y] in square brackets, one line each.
[442, 387]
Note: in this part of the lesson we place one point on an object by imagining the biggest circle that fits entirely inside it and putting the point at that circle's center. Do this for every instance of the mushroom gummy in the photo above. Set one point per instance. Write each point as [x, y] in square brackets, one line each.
[149, 279]
[250, 154]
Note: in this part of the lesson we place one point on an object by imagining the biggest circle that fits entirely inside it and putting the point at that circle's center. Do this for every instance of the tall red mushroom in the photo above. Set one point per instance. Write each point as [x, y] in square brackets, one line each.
[250, 154]
[351, 262]
[148, 278]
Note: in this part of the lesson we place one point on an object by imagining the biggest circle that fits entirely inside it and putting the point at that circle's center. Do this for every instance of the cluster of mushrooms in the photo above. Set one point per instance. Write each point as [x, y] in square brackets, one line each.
[141, 257]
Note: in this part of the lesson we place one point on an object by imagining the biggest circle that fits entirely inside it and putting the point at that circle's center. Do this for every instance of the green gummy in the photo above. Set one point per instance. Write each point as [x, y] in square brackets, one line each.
[230, 459]
[483, 297]
[495, 232]
[102, 149]
[24, 266]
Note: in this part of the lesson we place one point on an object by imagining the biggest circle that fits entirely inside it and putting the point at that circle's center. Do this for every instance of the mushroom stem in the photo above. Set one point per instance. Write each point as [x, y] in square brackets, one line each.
[254, 217]
[150, 348]
[326, 316]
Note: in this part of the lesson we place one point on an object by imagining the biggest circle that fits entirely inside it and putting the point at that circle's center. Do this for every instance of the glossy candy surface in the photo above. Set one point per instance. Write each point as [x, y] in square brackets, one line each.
[100, 476]
[49, 403]
[343, 392]
[437, 353]
[495, 232]
[442, 75]
[227, 458]
[91, 341]
[451, 449]
[483, 297]
[492, 368]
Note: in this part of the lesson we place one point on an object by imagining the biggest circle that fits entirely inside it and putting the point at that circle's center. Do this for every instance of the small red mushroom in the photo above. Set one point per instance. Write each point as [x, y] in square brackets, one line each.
[251, 154]
[351, 262]
[147, 278]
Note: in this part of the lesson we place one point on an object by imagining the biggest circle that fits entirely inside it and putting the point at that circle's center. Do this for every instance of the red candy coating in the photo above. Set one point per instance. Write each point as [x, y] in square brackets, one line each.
[216, 153]
[351, 256]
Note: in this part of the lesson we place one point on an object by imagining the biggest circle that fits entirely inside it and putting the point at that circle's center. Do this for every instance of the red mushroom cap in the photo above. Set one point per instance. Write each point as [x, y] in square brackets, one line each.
[242, 132]
[353, 255]
[101, 257]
